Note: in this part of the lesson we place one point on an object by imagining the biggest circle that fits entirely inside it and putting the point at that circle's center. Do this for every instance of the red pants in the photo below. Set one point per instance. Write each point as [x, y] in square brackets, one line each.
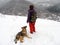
[32, 27]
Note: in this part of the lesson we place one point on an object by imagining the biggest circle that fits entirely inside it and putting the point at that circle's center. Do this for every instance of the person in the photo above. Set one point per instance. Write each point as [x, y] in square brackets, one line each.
[32, 16]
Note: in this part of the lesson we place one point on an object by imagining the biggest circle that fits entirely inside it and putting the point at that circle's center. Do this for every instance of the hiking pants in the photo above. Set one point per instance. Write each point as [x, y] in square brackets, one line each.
[32, 27]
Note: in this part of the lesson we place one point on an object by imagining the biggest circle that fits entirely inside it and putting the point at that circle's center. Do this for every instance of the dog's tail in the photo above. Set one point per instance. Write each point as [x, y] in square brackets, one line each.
[15, 41]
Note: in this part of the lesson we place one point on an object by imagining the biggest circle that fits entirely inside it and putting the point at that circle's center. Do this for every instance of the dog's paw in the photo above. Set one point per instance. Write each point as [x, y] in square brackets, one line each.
[30, 37]
[21, 41]
[15, 42]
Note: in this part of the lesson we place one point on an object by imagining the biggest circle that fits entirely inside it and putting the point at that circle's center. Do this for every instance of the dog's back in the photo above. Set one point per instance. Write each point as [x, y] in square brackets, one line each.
[18, 35]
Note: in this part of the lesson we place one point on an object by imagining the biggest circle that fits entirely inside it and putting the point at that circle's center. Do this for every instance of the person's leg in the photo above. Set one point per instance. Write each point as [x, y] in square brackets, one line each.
[34, 27]
[31, 27]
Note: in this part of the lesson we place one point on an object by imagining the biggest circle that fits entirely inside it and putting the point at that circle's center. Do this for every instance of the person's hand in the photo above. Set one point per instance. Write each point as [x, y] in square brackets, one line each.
[27, 21]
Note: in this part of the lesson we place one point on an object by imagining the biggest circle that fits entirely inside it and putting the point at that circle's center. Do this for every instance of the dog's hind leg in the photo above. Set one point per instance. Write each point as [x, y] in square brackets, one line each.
[21, 39]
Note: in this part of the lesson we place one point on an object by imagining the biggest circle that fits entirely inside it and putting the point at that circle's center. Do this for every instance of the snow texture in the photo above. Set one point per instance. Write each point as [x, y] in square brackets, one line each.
[47, 31]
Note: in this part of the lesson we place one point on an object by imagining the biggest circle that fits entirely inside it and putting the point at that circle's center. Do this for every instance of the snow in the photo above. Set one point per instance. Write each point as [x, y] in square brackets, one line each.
[47, 31]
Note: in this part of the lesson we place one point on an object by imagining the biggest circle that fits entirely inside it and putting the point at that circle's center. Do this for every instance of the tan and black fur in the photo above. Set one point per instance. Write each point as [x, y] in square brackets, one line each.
[20, 35]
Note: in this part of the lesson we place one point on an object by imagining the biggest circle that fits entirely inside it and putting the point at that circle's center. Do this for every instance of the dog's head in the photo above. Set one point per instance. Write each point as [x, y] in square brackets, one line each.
[24, 29]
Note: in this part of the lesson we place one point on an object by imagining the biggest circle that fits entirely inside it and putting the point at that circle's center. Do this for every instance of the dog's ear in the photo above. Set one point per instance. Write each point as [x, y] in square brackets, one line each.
[24, 27]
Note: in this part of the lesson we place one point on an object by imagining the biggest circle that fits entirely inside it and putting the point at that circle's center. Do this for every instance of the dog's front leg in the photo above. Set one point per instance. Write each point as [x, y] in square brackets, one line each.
[28, 37]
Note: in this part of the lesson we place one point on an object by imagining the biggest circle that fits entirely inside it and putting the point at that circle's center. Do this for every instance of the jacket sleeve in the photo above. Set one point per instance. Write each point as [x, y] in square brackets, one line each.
[28, 18]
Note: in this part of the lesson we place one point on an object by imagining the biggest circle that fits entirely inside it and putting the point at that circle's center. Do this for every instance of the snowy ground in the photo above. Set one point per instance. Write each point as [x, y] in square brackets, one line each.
[47, 31]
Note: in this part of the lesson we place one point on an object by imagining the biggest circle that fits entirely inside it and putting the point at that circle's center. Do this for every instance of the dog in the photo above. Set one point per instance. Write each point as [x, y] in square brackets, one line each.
[20, 35]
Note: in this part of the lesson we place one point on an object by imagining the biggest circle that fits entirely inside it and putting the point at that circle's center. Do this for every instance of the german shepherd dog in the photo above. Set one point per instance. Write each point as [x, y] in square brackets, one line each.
[20, 35]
